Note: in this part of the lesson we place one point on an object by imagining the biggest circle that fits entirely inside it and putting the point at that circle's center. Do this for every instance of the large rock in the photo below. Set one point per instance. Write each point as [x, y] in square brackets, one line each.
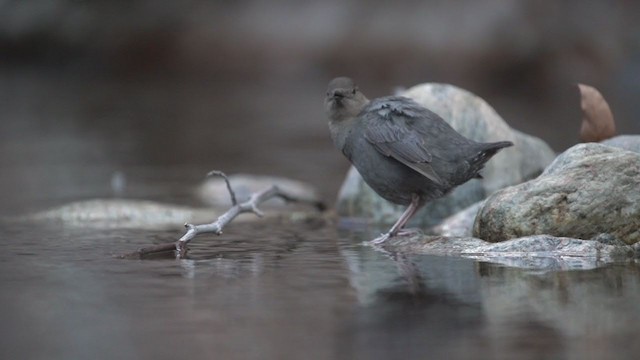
[474, 118]
[588, 190]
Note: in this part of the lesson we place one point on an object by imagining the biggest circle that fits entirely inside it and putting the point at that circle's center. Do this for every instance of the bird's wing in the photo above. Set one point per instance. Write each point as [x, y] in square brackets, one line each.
[389, 129]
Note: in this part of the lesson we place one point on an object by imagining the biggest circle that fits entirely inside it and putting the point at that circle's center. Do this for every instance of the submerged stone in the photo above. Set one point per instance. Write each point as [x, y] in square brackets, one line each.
[537, 251]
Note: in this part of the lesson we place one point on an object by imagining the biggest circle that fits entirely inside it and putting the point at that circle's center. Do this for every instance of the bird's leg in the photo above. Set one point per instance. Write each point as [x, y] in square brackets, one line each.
[413, 207]
[396, 229]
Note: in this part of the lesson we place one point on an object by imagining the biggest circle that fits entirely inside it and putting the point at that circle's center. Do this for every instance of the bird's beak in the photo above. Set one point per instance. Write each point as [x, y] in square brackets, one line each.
[338, 94]
[333, 98]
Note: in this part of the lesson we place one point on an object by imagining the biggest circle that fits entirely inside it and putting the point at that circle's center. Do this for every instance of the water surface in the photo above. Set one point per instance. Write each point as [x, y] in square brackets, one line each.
[274, 290]
[269, 290]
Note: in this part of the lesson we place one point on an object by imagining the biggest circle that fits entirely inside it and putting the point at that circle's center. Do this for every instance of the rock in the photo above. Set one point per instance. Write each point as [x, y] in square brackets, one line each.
[627, 142]
[121, 213]
[460, 224]
[214, 190]
[588, 190]
[474, 118]
[537, 251]
[144, 214]
[434, 245]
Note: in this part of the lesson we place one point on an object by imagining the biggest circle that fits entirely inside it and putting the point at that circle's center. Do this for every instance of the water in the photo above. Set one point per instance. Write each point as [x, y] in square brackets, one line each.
[264, 290]
[269, 291]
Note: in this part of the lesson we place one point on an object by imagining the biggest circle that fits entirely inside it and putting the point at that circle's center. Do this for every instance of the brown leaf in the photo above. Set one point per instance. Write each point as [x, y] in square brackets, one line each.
[597, 120]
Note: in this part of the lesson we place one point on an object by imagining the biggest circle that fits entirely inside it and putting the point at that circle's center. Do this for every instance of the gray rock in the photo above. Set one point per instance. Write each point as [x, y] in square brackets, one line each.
[474, 118]
[627, 142]
[144, 214]
[460, 224]
[537, 251]
[214, 190]
[121, 213]
[588, 190]
[133, 214]
[434, 245]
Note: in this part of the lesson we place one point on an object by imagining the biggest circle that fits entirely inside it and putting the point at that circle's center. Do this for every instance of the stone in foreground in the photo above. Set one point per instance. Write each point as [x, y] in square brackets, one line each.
[537, 251]
[588, 190]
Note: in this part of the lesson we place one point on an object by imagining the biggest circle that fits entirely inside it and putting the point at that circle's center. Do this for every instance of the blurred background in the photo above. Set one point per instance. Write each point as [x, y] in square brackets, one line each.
[90, 88]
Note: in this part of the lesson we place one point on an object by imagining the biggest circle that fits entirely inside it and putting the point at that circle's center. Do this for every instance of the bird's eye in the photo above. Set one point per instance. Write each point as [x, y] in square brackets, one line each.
[354, 91]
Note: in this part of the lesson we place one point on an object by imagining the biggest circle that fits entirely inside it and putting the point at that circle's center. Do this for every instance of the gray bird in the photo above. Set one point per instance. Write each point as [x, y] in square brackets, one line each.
[403, 151]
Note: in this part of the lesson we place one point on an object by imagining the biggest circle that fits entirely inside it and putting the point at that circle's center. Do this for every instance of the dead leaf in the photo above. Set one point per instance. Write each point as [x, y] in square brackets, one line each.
[597, 120]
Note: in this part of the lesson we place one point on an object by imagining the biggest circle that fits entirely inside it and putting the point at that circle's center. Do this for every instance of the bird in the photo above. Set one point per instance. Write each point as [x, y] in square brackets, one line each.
[405, 152]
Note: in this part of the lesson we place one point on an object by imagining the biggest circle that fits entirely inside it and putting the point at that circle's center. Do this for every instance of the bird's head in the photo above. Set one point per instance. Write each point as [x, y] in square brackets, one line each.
[343, 99]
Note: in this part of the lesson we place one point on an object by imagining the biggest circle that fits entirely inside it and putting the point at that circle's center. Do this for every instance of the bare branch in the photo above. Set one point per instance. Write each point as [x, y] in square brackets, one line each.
[249, 206]
[234, 200]
[148, 251]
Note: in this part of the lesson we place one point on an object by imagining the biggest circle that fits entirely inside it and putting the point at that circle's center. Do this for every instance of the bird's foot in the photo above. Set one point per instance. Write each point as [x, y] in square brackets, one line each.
[380, 239]
[386, 236]
[410, 232]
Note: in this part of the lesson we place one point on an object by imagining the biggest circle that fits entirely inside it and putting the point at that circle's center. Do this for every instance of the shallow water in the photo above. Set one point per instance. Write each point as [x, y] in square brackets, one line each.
[265, 290]
[297, 291]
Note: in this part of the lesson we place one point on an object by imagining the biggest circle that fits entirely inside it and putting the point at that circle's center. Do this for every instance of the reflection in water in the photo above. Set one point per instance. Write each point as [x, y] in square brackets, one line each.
[493, 311]
[594, 312]
[299, 290]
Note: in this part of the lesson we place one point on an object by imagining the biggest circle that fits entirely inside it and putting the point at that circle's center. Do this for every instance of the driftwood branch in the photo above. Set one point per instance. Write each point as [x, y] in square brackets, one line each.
[216, 227]
[234, 200]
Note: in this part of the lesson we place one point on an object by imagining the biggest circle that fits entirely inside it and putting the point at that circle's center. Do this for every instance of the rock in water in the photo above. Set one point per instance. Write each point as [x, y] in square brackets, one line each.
[588, 190]
[459, 224]
[214, 192]
[120, 213]
[474, 118]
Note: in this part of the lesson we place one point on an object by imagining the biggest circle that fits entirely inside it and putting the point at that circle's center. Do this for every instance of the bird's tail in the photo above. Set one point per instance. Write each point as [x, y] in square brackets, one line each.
[492, 148]
[486, 152]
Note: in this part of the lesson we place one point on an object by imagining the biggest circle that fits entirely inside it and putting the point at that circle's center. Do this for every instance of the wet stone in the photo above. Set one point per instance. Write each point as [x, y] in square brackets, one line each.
[537, 251]
[588, 190]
